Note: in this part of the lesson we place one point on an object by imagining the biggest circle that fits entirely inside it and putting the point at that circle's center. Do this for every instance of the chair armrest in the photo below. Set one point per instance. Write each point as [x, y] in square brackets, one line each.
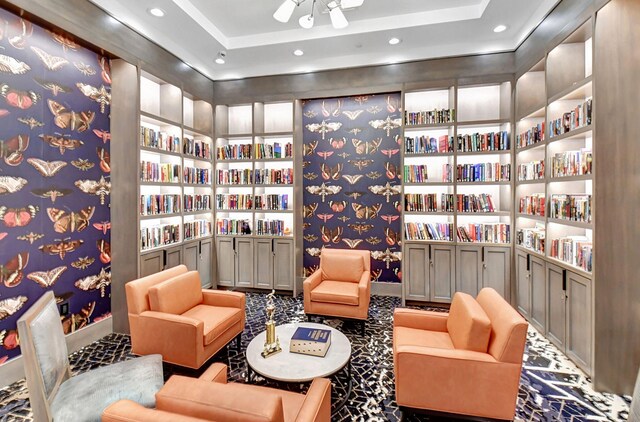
[128, 411]
[215, 373]
[223, 298]
[422, 320]
[312, 281]
[365, 282]
[168, 329]
[316, 406]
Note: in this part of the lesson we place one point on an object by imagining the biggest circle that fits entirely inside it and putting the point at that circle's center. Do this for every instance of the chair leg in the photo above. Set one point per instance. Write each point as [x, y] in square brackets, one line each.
[363, 326]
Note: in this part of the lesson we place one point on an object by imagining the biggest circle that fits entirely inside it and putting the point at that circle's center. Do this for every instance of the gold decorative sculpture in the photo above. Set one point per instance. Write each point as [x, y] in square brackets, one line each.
[271, 342]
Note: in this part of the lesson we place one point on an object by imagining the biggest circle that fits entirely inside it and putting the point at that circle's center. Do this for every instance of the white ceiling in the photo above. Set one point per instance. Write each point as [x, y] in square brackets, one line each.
[256, 44]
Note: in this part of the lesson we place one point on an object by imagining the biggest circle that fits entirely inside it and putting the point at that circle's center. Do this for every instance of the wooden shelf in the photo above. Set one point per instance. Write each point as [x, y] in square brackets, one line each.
[531, 216]
[202, 160]
[429, 184]
[571, 134]
[531, 251]
[491, 122]
[160, 184]
[290, 159]
[235, 160]
[540, 144]
[483, 183]
[570, 178]
[235, 135]
[159, 216]
[197, 185]
[428, 154]
[159, 248]
[159, 120]
[530, 182]
[273, 134]
[258, 211]
[443, 213]
[234, 211]
[535, 112]
[480, 213]
[195, 131]
[412, 128]
[159, 151]
[576, 91]
[438, 242]
[572, 223]
[504, 151]
[569, 267]
[197, 212]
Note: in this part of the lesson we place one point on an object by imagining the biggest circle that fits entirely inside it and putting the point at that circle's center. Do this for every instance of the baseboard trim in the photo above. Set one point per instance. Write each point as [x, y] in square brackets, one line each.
[379, 288]
[13, 370]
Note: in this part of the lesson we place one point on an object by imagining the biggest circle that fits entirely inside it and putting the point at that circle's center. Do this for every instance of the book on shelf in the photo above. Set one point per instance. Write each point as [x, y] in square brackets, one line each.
[310, 341]
[159, 204]
[234, 176]
[532, 136]
[481, 142]
[196, 176]
[435, 116]
[271, 228]
[572, 163]
[159, 172]
[159, 235]
[533, 170]
[573, 207]
[532, 237]
[230, 226]
[574, 250]
[196, 202]
[475, 203]
[234, 201]
[273, 176]
[428, 145]
[196, 148]
[428, 231]
[483, 172]
[234, 152]
[276, 202]
[196, 228]
[532, 204]
[484, 233]
[428, 202]
[579, 117]
[151, 138]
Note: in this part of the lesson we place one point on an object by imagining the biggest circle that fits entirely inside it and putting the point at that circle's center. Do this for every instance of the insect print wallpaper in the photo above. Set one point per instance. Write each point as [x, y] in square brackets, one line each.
[352, 180]
[54, 178]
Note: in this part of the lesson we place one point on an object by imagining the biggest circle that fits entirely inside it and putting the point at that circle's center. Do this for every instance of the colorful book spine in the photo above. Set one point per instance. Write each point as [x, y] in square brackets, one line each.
[268, 151]
[475, 203]
[196, 229]
[274, 202]
[572, 163]
[196, 176]
[435, 116]
[574, 250]
[579, 117]
[576, 207]
[532, 205]
[151, 138]
[193, 203]
[484, 233]
[480, 142]
[416, 173]
[234, 152]
[484, 172]
[159, 204]
[230, 226]
[159, 172]
[428, 202]
[196, 148]
[428, 145]
[265, 227]
[531, 171]
[532, 238]
[531, 136]
[234, 176]
[428, 231]
[234, 201]
[159, 235]
[273, 176]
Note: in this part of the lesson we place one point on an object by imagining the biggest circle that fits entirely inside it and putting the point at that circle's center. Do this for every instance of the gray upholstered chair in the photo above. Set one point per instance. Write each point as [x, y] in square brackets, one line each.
[57, 396]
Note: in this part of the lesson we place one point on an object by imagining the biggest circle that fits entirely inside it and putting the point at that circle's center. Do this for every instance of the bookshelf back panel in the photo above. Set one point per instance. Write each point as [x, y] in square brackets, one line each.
[530, 92]
[240, 119]
[202, 116]
[187, 111]
[278, 117]
[428, 100]
[149, 96]
[171, 102]
[479, 103]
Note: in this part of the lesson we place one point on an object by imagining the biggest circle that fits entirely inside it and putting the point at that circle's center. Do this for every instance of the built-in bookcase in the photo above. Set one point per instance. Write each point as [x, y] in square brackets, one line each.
[254, 195]
[554, 195]
[175, 141]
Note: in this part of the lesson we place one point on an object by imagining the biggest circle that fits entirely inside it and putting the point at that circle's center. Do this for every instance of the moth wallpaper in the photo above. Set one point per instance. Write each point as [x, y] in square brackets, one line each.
[54, 178]
[352, 180]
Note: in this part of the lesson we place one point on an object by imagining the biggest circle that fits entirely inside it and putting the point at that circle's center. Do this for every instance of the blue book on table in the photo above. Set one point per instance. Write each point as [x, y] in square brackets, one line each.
[310, 341]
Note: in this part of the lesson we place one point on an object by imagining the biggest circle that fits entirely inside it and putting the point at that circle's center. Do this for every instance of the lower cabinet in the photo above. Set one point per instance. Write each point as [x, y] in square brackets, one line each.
[442, 273]
[197, 256]
[579, 330]
[523, 284]
[478, 267]
[156, 261]
[255, 262]
[556, 305]
[538, 293]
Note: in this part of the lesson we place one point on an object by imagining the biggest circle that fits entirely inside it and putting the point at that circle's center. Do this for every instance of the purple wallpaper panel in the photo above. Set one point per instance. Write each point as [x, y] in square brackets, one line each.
[54, 178]
[352, 186]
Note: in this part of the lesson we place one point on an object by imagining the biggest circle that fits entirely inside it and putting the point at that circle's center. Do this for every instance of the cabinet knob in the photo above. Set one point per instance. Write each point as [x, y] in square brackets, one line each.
[431, 263]
[484, 266]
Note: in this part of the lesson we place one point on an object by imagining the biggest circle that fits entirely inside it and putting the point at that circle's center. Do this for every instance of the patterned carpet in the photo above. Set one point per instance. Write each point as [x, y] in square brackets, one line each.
[551, 389]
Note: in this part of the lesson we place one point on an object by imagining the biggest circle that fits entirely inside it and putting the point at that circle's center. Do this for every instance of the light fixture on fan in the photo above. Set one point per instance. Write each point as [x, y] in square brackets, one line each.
[334, 7]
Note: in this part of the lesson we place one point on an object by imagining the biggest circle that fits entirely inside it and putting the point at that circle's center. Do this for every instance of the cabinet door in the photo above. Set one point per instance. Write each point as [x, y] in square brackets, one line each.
[226, 263]
[416, 272]
[205, 263]
[244, 262]
[263, 267]
[579, 341]
[523, 285]
[151, 263]
[556, 305]
[496, 270]
[174, 257]
[442, 274]
[190, 255]
[538, 294]
[468, 269]
[283, 264]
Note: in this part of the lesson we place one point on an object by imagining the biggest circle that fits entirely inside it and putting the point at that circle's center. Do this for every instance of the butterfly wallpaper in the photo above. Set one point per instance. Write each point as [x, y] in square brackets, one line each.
[54, 178]
[352, 180]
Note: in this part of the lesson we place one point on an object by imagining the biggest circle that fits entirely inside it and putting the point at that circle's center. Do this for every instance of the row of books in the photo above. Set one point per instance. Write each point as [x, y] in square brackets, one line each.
[428, 145]
[151, 138]
[159, 204]
[270, 228]
[428, 202]
[475, 203]
[234, 176]
[428, 231]
[531, 136]
[197, 176]
[196, 228]
[533, 204]
[230, 226]
[159, 235]
[159, 172]
[272, 202]
[274, 176]
[571, 163]
[234, 201]
[531, 171]
[485, 233]
[234, 152]
[575, 207]
[574, 250]
[579, 117]
[532, 238]
[415, 173]
[273, 151]
[429, 117]
[483, 172]
[196, 203]
[479, 142]
[197, 148]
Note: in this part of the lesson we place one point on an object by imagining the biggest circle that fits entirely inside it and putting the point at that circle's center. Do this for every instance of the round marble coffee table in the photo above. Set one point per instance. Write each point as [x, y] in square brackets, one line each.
[298, 368]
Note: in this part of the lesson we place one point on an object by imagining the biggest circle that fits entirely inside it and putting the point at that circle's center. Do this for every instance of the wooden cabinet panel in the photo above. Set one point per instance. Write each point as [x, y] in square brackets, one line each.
[556, 305]
[226, 263]
[416, 272]
[190, 255]
[579, 337]
[263, 265]
[523, 286]
[205, 263]
[283, 264]
[538, 294]
[244, 262]
[468, 269]
[442, 274]
[150, 263]
[496, 270]
[173, 257]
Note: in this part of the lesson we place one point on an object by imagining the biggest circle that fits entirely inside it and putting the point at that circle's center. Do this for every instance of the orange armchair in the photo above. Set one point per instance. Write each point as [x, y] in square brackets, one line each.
[466, 362]
[210, 398]
[170, 314]
[341, 287]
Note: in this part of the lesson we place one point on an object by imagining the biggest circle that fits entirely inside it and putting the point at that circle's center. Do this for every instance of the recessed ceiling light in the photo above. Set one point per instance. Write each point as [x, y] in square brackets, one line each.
[394, 41]
[500, 28]
[220, 57]
[220, 60]
[158, 13]
[298, 52]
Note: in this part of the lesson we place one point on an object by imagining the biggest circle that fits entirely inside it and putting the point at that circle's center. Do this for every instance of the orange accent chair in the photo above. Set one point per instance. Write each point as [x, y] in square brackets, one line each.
[341, 287]
[170, 314]
[210, 398]
[464, 362]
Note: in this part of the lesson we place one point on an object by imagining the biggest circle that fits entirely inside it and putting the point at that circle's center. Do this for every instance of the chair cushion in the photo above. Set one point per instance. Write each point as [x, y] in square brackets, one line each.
[341, 266]
[291, 401]
[340, 292]
[84, 397]
[176, 295]
[403, 336]
[468, 324]
[216, 319]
